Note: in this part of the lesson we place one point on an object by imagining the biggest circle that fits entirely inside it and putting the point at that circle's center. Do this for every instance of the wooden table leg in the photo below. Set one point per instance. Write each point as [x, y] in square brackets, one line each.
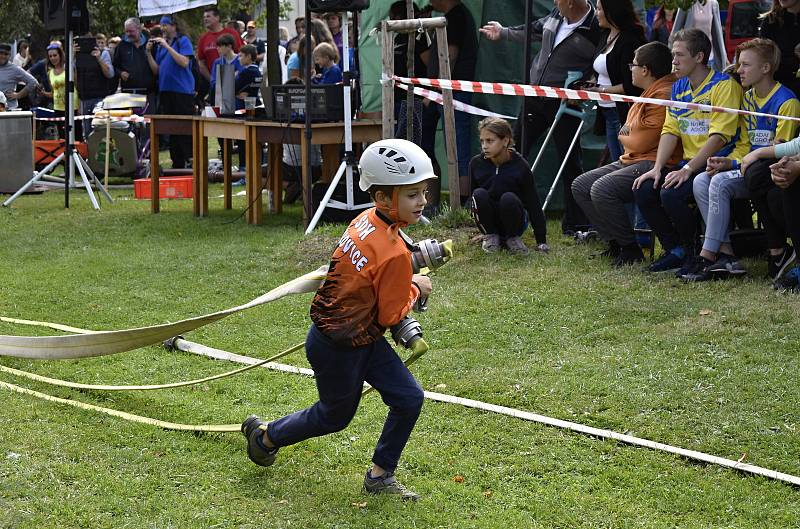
[226, 173]
[201, 162]
[155, 171]
[275, 176]
[197, 140]
[330, 161]
[255, 211]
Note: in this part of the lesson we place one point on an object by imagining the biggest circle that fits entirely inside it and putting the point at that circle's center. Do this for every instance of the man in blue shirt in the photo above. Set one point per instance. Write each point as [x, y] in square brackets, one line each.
[172, 64]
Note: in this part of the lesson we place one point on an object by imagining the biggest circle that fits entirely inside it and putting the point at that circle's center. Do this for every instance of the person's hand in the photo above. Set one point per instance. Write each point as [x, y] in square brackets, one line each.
[785, 172]
[676, 178]
[124, 76]
[75, 47]
[149, 45]
[242, 95]
[424, 284]
[95, 53]
[748, 159]
[625, 131]
[159, 41]
[653, 174]
[718, 164]
[12, 95]
[491, 30]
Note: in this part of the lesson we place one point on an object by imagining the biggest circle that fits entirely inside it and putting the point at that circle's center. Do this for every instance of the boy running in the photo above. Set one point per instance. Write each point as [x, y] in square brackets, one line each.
[369, 288]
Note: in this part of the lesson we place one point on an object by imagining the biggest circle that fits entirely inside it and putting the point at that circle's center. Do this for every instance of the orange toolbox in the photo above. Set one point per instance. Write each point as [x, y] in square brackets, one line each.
[45, 151]
[168, 187]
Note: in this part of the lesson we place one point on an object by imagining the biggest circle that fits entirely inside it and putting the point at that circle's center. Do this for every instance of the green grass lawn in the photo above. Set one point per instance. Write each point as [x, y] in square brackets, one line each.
[710, 367]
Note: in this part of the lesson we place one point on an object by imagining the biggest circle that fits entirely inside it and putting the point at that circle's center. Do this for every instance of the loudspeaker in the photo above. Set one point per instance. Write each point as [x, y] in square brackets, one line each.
[321, 6]
[53, 15]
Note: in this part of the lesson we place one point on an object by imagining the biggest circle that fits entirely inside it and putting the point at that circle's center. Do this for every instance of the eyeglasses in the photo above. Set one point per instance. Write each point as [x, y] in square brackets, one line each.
[632, 65]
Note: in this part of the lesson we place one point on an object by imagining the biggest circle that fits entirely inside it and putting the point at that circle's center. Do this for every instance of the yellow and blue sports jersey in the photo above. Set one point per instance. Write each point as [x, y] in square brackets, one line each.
[694, 127]
[780, 101]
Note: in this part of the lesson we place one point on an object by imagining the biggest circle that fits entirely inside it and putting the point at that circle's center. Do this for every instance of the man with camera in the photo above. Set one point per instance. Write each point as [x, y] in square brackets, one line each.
[94, 76]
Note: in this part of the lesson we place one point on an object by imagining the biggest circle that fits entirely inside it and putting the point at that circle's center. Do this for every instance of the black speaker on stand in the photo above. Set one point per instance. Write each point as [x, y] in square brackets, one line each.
[53, 16]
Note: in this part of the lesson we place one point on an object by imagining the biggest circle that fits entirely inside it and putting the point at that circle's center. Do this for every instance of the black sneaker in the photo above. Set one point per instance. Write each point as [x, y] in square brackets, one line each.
[628, 255]
[668, 262]
[388, 484]
[727, 265]
[698, 270]
[612, 252]
[790, 282]
[253, 428]
[688, 262]
[777, 264]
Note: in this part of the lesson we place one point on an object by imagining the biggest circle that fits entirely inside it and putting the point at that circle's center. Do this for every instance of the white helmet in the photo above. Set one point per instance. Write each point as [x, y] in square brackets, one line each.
[394, 162]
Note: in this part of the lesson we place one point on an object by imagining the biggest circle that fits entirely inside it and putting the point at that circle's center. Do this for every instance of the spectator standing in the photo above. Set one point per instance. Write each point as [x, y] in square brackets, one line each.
[604, 193]
[130, 62]
[704, 15]
[781, 24]
[172, 65]
[325, 57]
[623, 35]
[226, 56]
[94, 80]
[505, 196]
[569, 36]
[250, 37]
[22, 58]
[56, 79]
[663, 199]
[462, 48]
[300, 29]
[334, 22]
[247, 85]
[10, 76]
[397, 11]
[207, 46]
[662, 25]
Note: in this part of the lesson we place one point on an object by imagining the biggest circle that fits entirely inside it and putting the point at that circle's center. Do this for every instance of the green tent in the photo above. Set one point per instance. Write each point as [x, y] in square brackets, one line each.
[497, 61]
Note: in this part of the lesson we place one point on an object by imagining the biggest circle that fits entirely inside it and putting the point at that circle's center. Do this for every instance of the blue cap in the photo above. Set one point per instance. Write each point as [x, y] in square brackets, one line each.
[166, 19]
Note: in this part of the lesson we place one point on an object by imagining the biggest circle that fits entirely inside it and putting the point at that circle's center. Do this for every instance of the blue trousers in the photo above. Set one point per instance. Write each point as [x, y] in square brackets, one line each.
[340, 374]
[668, 212]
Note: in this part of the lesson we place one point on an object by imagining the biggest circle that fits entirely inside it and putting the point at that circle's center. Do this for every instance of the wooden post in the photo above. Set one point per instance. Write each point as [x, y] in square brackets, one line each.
[449, 121]
[108, 148]
[387, 88]
[410, 69]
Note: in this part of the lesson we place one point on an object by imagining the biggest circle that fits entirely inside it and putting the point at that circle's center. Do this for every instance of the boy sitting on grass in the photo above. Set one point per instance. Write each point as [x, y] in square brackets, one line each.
[369, 288]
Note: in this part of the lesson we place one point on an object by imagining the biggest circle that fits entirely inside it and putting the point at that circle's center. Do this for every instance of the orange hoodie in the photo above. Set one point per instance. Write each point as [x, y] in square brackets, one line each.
[645, 122]
[368, 287]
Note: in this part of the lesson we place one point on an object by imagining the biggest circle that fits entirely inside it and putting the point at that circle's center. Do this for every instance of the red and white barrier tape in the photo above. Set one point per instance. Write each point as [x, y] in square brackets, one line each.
[463, 107]
[567, 93]
[134, 119]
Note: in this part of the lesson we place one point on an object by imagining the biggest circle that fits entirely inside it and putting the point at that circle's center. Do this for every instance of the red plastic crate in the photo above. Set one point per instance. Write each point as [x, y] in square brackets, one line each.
[45, 151]
[169, 187]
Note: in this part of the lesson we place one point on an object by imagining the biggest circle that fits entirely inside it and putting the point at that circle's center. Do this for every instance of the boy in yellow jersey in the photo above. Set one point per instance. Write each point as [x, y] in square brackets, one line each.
[756, 62]
[369, 288]
[663, 193]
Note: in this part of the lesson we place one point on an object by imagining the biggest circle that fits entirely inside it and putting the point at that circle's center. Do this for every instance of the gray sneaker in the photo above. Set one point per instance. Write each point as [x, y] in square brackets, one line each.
[516, 246]
[253, 428]
[491, 243]
[388, 484]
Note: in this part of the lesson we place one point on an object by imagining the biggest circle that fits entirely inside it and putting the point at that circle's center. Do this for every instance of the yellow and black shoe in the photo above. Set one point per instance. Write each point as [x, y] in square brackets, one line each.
[253, 429]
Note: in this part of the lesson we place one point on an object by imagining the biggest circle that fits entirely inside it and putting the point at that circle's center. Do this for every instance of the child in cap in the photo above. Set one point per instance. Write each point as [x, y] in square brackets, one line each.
[370, 287]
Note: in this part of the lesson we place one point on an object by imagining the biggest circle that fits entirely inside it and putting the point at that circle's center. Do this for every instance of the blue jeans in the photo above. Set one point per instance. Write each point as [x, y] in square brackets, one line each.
[668, 213]
[713, 195]
[613, 126]
[340, 374]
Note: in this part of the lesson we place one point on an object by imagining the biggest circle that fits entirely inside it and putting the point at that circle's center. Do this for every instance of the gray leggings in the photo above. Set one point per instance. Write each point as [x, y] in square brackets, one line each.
[713, 195]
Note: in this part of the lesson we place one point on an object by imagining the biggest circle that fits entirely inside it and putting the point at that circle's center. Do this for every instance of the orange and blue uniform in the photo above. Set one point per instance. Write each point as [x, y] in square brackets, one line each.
[368, 289]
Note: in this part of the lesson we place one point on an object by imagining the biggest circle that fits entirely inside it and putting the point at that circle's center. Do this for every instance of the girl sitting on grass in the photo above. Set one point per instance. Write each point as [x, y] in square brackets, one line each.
[504, 197]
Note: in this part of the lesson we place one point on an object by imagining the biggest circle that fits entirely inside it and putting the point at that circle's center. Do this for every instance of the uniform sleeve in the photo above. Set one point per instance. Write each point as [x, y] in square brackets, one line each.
[670, 125]
[394, 291]
[727, 94]
[787, 128]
